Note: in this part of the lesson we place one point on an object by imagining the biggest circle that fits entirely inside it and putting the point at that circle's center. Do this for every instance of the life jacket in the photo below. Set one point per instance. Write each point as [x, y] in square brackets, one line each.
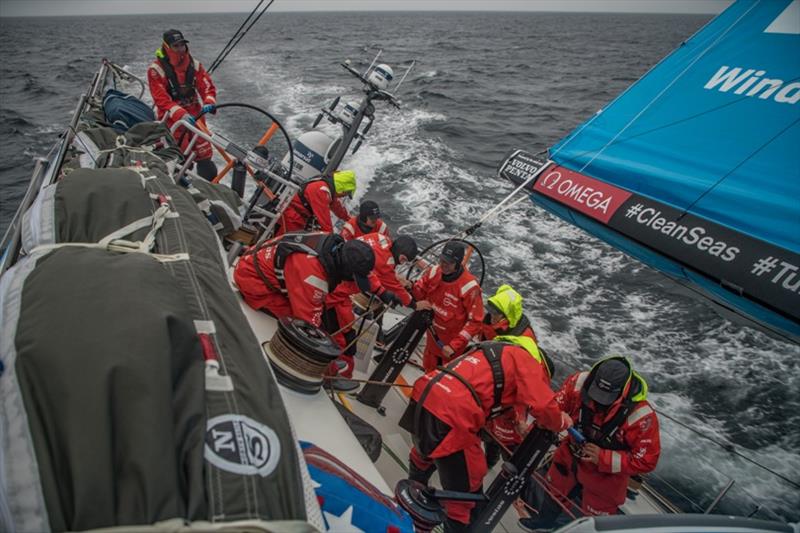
[634, 392]
[301, 193]
[184, 94]
[493, 352]
[319, 245]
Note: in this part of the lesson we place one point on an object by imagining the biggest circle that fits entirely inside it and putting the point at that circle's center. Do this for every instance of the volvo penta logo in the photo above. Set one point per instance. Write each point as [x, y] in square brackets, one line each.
[239, 444]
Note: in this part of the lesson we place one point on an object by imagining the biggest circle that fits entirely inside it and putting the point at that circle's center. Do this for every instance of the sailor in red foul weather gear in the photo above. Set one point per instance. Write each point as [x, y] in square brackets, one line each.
[504, 315]
[310, 209]
[383, 283]
[180, 86]
[455, 297]
[610, 408]
[449, 407]
[292, 275]
[368, 221]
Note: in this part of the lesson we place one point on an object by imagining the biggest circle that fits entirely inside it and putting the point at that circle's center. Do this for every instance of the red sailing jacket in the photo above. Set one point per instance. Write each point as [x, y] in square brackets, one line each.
[637, 438]
[351, 229]
[322, 201]
[306, 282]
[457, 306]
[385, 266]
[342, 304]
[526, 385]
[159, 85]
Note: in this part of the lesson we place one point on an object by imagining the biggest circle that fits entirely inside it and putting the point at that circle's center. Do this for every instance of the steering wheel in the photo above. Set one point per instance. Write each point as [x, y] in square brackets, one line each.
[473, 260]
[267, 136]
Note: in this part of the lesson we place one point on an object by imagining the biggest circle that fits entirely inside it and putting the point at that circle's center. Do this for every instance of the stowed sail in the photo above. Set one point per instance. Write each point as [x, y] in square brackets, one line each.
[695, 169]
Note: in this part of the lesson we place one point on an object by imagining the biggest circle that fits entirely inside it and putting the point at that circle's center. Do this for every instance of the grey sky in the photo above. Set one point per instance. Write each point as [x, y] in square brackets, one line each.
[23, 8]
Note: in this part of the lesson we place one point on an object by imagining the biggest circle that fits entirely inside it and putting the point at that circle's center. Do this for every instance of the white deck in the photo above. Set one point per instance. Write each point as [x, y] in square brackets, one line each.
[315, 419]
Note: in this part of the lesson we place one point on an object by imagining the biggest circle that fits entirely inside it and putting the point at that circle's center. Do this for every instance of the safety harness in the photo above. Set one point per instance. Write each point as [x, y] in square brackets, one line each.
[603, 435]
[183, 94]
[312, 219]
[493, 352]
[313, 244]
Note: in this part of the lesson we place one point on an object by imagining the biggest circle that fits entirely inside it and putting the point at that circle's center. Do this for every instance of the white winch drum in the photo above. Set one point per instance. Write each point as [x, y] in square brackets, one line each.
[380, 76]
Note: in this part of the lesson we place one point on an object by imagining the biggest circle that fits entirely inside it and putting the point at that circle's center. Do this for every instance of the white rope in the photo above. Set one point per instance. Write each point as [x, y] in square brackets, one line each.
[524, 184]
[115, 246]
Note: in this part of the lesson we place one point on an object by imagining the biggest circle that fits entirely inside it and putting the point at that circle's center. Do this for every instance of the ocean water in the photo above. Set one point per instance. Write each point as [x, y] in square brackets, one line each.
[484, 83]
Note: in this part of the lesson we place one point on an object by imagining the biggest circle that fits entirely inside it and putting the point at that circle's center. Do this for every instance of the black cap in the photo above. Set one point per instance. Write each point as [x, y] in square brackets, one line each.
[404, 245]
[453, 252]
[173, 37]
[358, 260]
[609, 379]
[368, 208]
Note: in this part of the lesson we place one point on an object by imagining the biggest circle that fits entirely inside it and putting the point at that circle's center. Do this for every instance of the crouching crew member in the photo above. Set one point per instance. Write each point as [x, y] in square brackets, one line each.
[384, 284]
[292, 275]
[449, 407]
[455, 297]
[310, 209]
[368, 221]
[181, 87]
[504, 315]
[610, 408]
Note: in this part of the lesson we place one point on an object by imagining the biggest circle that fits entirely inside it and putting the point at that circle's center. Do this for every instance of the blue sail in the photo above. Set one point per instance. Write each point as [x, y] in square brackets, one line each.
[695, 168]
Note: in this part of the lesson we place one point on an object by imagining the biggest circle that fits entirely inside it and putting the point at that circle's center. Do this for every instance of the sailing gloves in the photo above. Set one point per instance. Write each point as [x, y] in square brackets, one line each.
[210, 108]
[389, 298]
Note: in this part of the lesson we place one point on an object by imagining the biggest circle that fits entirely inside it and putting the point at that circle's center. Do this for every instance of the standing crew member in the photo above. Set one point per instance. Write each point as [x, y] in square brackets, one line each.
[449, 408]
[292, 275]
[384, 284]
[310, 209]
[610, 408]
[368, 221]
[455, 297]
[504, 315]
[180, 86]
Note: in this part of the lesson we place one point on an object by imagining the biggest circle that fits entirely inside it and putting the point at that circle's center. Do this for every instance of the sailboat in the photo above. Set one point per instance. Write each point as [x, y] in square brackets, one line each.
[138, 388]
[694, 168]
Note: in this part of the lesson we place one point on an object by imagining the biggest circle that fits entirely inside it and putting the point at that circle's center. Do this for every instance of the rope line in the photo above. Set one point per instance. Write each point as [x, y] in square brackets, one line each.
[225, 53]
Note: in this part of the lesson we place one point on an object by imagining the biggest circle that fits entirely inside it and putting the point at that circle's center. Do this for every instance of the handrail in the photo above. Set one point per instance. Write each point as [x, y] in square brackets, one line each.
[11, 239]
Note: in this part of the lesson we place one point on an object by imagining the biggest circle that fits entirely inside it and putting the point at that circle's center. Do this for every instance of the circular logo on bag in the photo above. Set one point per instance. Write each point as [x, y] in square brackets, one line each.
[239, 444]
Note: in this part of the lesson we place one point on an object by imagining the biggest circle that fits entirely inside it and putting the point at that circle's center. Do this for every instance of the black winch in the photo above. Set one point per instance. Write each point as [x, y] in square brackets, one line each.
[300, 353]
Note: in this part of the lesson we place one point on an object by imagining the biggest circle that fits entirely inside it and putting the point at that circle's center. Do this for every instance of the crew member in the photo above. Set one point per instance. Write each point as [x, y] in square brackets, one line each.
[310, 209]
[384, 284]
[449, 408]
[504, 315]
[181, 88]
[610, 408]
[455, 297]
[367, 221]
[292, 275]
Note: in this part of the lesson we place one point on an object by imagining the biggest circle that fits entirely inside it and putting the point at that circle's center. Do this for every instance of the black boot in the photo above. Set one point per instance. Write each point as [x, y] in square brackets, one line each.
[417, 474]
[454, 526]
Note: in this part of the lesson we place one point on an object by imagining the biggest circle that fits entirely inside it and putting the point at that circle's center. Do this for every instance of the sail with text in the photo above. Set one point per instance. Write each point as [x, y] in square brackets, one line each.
[695, 168]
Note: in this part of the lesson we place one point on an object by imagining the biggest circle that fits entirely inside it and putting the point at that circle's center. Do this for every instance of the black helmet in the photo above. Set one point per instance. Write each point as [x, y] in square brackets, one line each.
[368, 209]
[453, 252]
[404, 245]
[357, 260]
[173, 37]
